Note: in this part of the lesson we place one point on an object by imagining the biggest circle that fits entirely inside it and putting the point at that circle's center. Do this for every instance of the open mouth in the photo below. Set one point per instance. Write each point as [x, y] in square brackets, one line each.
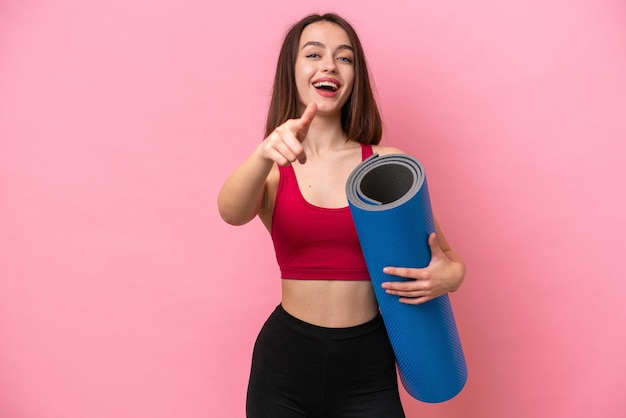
[326, 86]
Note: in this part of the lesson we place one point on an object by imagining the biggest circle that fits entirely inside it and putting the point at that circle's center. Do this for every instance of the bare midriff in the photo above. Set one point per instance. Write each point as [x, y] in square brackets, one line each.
[330, 303]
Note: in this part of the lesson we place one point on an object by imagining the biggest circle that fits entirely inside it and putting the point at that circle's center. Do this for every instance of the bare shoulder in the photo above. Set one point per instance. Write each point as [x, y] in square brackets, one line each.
[383, 150]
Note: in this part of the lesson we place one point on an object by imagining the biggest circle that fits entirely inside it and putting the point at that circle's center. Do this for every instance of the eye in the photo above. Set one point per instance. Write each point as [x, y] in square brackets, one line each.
[313, 55]
[347, 60]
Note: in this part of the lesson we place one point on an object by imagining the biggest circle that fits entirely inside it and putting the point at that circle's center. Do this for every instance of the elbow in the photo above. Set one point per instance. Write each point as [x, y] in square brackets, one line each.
[232, 220]
[229, 213]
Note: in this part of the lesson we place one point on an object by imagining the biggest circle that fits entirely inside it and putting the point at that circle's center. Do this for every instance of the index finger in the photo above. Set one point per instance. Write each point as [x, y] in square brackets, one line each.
[405, 272]
[308, 114]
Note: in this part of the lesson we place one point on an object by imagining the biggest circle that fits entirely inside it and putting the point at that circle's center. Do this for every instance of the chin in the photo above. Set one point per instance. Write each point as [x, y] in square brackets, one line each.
[328, 108]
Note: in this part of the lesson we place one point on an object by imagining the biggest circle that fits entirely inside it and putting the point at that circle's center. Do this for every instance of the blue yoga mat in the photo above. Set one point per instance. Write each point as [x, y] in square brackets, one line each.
[390, 206]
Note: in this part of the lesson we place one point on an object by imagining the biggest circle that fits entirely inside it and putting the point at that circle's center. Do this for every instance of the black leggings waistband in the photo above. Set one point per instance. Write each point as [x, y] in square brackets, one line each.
[325, 332]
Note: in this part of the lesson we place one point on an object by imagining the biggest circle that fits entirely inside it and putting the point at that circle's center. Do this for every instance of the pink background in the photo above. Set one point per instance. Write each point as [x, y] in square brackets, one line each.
[122, 293]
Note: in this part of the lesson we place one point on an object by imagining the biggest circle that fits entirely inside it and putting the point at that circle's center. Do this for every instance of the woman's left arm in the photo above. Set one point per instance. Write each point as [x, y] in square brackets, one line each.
[444, 273]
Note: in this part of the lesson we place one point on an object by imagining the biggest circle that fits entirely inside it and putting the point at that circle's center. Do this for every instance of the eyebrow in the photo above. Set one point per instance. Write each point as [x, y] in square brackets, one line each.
[321, 45]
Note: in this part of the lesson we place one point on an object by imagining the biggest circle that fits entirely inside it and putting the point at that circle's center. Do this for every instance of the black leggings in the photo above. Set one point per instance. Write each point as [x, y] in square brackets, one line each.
[302, 370]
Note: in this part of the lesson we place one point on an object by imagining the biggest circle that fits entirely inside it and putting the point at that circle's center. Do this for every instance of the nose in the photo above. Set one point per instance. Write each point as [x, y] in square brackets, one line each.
[329, 65]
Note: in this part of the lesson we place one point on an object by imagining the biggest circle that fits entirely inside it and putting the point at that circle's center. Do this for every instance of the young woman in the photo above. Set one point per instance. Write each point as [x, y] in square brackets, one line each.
[324, 351]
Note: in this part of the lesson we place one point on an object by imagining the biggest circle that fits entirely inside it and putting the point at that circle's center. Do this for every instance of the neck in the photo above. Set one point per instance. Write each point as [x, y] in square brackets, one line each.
[325, 133]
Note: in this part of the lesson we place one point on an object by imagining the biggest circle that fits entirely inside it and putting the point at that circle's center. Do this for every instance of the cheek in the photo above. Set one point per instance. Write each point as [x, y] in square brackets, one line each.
[348, 77]
[304, 72]
[349, 85]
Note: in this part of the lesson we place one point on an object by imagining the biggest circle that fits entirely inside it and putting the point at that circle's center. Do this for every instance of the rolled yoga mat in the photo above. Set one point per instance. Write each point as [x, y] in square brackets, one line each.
[390, 206]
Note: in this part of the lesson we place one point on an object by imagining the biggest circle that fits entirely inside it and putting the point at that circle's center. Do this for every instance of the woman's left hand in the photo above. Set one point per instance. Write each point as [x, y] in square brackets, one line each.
[443, 274]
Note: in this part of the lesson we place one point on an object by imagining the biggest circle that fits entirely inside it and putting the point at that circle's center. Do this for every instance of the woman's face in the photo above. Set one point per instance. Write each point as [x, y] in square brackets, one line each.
[324, 67]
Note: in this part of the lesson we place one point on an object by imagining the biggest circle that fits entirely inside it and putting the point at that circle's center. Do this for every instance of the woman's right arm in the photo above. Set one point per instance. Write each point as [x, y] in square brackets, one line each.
[243, 193]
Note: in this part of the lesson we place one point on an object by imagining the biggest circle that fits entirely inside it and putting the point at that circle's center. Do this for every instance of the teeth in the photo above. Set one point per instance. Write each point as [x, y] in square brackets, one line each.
[326, 84]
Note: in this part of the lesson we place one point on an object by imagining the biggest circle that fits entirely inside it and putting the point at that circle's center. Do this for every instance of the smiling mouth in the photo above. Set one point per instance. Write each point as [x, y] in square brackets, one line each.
[326, 86]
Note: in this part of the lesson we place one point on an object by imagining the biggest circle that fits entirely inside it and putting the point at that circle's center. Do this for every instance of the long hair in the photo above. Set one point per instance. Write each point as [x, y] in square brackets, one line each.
[360, 118]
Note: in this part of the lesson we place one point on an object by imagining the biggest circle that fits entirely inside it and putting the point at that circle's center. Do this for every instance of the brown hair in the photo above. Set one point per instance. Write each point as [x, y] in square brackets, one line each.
[360, 118]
